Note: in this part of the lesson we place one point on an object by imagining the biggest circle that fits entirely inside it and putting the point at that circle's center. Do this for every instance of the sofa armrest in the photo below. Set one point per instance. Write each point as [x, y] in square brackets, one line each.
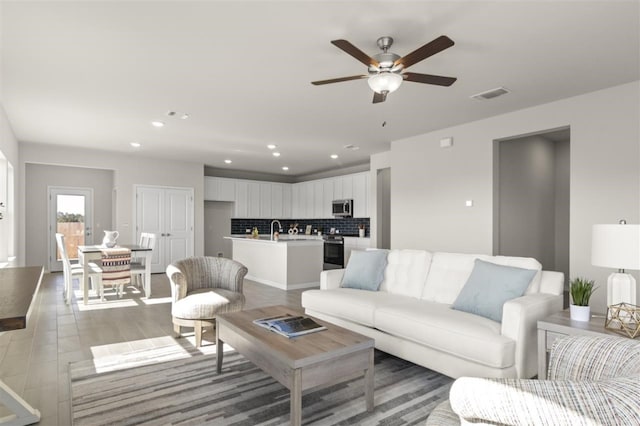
[552, 282]
[520, 323]
[331, 279]
[520, 402]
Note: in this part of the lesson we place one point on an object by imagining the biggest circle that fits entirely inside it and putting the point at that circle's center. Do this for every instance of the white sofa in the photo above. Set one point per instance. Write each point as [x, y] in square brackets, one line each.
[410, 316]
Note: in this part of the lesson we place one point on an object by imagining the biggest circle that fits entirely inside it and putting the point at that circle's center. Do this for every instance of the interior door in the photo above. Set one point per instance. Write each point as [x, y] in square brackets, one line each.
[178, 228]
[70, 213]
[168, 213]
[150, 218]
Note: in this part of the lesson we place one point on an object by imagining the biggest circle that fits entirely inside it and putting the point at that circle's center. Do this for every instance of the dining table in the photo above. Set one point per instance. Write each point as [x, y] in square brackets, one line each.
[90, 253]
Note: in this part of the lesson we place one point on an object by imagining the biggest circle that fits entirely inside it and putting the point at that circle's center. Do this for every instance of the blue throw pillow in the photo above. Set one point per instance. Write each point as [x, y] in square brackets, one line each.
[365, 270]
[489, 286]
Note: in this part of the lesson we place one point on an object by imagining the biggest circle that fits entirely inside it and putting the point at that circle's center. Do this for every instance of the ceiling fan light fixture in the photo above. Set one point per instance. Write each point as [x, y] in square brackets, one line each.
[385, 82]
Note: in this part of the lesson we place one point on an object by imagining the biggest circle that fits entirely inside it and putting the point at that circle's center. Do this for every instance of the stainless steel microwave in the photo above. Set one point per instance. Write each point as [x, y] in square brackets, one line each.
[342, 208]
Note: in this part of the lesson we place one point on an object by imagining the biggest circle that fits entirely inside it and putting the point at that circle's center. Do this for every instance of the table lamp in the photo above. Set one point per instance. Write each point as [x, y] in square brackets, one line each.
[617, 246]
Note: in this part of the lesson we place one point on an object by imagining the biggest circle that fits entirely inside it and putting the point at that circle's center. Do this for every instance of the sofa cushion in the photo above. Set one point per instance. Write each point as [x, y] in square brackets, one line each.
[447, 275]
[438, 326]
[347, 303]
[365, 270]
[489, 286]
[406, 272]
[519, 262]
[449, 272]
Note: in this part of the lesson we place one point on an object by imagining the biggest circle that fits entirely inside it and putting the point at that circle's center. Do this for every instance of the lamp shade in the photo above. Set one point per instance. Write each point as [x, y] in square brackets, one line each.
[616, 246]
[385, 82]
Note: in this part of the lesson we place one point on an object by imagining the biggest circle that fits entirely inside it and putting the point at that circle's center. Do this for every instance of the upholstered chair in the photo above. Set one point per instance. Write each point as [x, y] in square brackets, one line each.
[591, 380]
[203, 287]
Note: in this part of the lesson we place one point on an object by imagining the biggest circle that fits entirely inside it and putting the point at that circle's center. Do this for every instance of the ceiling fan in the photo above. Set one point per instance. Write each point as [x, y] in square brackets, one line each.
[387, 70]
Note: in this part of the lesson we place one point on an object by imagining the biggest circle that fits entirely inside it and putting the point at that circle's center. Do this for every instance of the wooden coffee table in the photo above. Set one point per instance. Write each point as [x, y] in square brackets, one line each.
[302, 362]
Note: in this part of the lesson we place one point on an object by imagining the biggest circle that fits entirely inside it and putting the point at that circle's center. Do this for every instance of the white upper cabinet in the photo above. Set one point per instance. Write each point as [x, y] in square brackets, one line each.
[327, 198]
[318, 199]
[266, 200]
[287, 201]
[296, 203]
[219, 189]
[360, 194]
[253, 199]
[308, 196]
[242, 199]
[304, 200]
[347, 187]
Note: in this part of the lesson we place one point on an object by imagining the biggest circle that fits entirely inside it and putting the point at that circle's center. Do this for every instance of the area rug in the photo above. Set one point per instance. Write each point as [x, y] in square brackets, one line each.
[187, 391]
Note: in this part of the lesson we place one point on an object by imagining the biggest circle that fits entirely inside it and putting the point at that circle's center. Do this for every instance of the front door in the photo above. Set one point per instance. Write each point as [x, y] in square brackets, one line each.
[70, 213]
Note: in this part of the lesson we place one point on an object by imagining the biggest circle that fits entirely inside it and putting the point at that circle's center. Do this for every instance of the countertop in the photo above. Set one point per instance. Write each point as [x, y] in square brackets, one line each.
[282, 239]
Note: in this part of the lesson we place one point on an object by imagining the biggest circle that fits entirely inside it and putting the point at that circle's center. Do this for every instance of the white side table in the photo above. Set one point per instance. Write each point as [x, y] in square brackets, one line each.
[560, 325]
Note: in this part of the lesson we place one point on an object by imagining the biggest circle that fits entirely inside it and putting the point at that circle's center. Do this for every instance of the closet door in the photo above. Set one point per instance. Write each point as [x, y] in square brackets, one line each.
[168, 213]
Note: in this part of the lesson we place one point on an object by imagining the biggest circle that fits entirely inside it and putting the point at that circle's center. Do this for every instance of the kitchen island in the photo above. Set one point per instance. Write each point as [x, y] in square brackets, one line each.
[292, 262]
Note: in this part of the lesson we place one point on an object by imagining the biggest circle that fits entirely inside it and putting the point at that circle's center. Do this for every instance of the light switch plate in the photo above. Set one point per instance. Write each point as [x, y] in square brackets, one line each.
[446, 142]
[468, 203]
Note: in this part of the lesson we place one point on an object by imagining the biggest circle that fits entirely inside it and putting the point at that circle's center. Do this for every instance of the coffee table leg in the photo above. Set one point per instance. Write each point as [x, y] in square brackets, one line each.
[369, 383]
[219, 351]
[296, 398]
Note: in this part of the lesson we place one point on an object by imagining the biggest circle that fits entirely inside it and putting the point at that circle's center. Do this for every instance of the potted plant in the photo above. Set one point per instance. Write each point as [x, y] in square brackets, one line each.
[581, 290]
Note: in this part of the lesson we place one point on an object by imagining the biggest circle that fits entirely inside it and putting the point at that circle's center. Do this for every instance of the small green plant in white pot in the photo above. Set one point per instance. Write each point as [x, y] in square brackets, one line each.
[581, 290]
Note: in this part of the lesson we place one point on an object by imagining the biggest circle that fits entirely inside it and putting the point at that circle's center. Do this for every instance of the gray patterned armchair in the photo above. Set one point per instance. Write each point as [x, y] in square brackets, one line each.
[203, 287]
[592, 381]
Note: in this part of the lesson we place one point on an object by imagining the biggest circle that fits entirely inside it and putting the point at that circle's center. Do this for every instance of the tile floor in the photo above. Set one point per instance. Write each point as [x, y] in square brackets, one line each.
[34, 361]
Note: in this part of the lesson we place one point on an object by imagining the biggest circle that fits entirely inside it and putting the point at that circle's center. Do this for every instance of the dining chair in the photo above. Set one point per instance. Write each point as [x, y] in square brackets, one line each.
[116, 264]
[71, 270]
[138, 266]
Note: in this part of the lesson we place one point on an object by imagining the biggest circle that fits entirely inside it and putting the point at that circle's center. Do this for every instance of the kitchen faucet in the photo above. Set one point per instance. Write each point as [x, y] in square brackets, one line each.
[279, 227]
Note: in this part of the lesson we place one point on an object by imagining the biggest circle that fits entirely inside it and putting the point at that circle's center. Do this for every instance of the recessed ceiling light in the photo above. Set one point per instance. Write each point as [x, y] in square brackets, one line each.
[228, 161]
[157, 123]
[285, 168]
[135, 144]
[184, 116]
[334, 156]
[272, 146]
[276, 154]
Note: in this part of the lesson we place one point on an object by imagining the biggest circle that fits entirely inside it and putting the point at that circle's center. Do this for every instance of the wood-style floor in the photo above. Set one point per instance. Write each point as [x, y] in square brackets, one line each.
[34, 361]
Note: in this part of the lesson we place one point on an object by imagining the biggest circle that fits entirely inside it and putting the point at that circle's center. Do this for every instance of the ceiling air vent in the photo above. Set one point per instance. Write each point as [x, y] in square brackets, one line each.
[490, 94]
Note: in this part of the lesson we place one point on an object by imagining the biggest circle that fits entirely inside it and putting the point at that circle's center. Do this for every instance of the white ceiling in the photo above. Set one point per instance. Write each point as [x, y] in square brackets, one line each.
[94, 74]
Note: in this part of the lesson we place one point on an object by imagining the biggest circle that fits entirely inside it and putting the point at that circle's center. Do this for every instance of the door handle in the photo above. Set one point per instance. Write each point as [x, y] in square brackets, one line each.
[168, 235]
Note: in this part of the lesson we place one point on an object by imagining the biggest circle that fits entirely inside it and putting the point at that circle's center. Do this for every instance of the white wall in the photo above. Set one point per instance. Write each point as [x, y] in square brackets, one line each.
[430, 185]
[128, 170]
[377, 162]
[10, 225]
[217, 225]
[526, 202]
[38, 177]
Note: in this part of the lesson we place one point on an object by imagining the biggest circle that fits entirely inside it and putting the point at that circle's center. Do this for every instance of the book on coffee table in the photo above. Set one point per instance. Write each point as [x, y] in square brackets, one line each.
[290, 325]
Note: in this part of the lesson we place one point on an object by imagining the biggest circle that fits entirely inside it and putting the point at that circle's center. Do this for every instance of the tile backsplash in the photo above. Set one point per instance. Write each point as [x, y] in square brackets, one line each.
[346, 226]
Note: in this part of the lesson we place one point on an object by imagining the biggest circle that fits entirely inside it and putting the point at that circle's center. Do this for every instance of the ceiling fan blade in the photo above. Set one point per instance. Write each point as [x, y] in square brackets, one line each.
[429, 79]
[338, 80]
[379, 97]
[355, 52]
[434, 46]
